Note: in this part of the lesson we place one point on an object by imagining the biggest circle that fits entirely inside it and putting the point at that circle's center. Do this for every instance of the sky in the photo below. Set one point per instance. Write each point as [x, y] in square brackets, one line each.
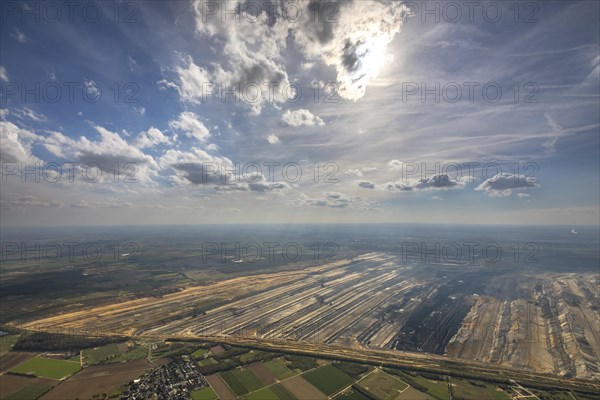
[177, 112]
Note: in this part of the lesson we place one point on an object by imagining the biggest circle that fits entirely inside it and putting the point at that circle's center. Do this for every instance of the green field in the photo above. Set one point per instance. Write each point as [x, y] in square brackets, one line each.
[437, 389]
[29, 391]
[134, 353]
[383, 386]
[204, 394]
[282, 393]
[7, 342]
[262, 394]
[47, 368]
[351, 395]
[207, 361]
[199, 353]
[279, 369]
[241, 381]
[464, 390]
[328, 379]
[98, 354]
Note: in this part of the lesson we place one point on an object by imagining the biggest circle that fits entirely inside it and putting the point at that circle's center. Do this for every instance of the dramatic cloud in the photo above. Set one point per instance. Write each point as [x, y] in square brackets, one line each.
[503, 184]
[251, 46]
[301, 117]
[190, 124]
[352, 37]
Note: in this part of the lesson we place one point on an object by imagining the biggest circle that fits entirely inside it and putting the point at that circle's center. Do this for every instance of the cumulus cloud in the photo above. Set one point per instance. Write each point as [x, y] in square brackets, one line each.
[329, 199]
[251, 49]
[109, 151]
[503, 184]
[394, 165]
[16, 144]
[366, 185]
[272, 139]
[250, 45]
[150, 138]
[192, 80]
[359, 172]
[301, 117]
[197, 167]
[435, 182]
[191, 125]
[355, 43]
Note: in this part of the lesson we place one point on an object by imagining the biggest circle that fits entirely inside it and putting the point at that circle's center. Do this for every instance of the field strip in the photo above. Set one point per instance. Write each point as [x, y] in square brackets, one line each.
[354, 383]
[108, 374]
[286, 379]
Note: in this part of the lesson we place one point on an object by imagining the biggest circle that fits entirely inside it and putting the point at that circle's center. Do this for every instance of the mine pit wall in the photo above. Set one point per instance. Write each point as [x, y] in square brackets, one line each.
[554, 328]
[542, 322]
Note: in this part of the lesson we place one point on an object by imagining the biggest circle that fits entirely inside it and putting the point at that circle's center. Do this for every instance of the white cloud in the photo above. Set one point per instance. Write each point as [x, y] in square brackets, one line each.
[355, 43]
[395, 165]
[302, 117]
[16, 144]
[190, 124]
[503, 184]
[435, 182]
[109, 151]
[92, 89]
[354, 172]
[150, 138]
[329, 199]
[359, 172]
[19, 36]
[3, 74]
[14, 200]
[28, 113]
[272, 139]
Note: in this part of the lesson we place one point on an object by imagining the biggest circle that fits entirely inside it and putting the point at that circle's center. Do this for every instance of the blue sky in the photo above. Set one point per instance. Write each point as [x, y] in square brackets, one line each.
[144, 99]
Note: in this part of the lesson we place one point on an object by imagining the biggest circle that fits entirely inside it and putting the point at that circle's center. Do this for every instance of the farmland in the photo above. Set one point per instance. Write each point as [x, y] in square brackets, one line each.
[47, 368]
[328, 379]
[377, 301]
[97, 379]
[251, 374]
[383, 386]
